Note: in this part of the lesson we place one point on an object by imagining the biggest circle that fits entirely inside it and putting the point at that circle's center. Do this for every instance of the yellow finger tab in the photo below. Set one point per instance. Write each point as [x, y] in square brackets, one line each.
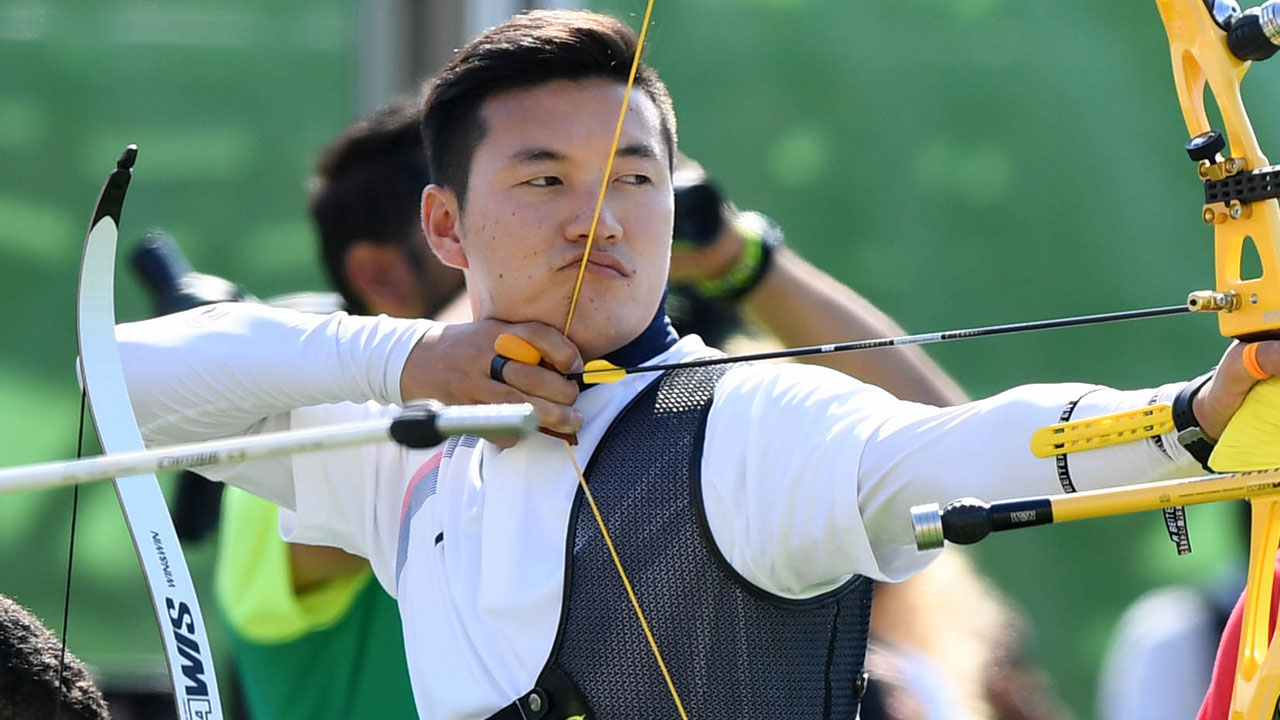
[1102, 431]
[601, 372]
[517, 348]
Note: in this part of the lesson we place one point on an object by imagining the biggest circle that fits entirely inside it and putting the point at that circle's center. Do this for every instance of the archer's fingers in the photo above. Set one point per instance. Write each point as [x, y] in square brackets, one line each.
[557, 351]
[1244, 364]
[537, 381]
[1266, 354]
[1221, 398]
[551, 415]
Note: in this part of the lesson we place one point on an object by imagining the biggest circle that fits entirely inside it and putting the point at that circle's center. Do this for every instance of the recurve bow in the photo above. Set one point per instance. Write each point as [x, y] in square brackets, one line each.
[173, 596]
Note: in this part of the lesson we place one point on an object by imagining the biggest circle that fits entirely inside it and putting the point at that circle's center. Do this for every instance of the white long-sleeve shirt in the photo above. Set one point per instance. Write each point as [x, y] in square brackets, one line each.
[808, 476]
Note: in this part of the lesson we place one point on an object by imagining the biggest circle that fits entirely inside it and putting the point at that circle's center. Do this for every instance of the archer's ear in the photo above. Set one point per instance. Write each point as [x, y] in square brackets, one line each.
[384, 279]
[440, 223]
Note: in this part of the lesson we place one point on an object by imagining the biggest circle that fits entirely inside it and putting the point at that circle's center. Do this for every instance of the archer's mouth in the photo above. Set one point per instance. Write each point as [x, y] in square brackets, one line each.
[603, 264]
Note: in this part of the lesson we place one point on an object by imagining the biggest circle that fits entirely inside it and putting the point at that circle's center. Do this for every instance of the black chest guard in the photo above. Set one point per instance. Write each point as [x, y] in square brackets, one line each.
[734, 651]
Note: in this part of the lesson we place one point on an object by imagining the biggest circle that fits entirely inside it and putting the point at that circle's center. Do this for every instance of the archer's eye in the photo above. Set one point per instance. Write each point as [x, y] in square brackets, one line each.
[635, 179]
[545, 181]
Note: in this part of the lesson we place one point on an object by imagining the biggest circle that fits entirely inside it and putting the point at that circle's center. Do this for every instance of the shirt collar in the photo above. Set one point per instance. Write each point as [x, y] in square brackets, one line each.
[654, 340]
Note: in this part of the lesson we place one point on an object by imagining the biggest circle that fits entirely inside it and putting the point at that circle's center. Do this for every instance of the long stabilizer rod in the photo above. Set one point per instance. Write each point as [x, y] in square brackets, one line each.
[968, 520]
[419, 425]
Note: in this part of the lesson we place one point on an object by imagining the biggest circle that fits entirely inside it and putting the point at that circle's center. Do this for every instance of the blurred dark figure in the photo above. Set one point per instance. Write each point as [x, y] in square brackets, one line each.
[175, 286]
[365, 196]
[30, 666]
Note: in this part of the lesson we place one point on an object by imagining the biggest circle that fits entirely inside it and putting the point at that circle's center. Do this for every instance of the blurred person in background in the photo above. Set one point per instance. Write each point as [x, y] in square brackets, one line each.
[305, 616]
[294, 609]
[39, 679]
[1161, 655]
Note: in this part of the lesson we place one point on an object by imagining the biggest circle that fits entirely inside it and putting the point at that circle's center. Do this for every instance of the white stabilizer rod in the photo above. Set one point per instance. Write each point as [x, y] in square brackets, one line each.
[509, 421]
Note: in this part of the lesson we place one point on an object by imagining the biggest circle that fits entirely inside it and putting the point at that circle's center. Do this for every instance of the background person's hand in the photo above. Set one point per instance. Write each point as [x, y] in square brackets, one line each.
[692, 262]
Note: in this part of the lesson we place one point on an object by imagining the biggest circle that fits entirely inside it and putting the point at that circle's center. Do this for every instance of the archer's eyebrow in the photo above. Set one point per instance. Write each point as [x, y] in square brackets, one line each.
[536, 154]
[642, 150]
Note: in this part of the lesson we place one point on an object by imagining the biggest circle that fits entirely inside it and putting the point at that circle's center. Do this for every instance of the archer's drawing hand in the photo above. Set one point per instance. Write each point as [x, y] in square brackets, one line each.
[451, 363]
[1218, 402]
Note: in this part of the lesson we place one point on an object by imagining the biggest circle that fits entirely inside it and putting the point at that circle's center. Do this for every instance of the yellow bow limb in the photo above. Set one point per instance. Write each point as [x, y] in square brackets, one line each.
[1252, 442]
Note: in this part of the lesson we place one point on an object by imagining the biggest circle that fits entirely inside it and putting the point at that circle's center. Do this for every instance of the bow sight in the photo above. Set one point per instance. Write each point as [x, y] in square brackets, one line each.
[1216, 47]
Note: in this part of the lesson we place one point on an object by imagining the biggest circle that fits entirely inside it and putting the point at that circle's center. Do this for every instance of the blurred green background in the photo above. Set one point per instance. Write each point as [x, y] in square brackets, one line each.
[960, 162]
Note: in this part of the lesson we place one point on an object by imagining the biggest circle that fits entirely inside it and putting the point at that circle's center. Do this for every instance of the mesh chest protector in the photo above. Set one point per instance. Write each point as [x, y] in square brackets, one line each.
[733, 650]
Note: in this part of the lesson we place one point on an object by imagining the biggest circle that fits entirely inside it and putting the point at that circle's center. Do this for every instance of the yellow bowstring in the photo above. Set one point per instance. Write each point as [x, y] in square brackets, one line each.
[608, 168]
[631, 593]
[573, 305]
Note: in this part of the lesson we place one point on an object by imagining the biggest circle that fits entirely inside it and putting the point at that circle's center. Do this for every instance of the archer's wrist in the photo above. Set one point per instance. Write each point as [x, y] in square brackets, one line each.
[416, 356]
[722, 254]
[1188, 409]
[1199, 411]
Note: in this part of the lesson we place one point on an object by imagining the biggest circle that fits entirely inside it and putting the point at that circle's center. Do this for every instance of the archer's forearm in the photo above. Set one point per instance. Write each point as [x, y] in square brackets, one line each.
[217, 371]
[802, 305]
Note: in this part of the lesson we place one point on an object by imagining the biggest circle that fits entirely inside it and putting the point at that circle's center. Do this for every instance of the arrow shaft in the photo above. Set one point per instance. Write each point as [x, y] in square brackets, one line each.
[918, 339]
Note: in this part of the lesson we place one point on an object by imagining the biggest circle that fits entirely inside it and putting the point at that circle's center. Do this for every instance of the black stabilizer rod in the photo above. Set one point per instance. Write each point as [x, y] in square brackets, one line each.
[968, 520]
[424, 424]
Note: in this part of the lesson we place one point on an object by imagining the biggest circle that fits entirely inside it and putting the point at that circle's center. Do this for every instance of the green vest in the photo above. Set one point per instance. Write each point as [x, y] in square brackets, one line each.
[335, 652]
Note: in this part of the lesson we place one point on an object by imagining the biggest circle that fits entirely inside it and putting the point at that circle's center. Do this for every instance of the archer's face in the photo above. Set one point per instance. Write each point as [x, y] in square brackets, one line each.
[534, 181]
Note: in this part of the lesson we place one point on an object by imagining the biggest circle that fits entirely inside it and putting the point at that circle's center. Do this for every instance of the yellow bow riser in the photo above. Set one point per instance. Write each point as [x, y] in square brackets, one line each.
[1250, 310]
[1201, 56]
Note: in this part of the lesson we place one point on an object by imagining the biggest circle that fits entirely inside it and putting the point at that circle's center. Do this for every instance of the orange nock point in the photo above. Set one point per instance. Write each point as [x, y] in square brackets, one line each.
[596, 372]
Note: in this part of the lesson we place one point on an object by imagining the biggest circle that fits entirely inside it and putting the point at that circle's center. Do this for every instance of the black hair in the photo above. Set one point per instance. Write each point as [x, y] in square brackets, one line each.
[30, 669]
[367, 186]
[531, 49]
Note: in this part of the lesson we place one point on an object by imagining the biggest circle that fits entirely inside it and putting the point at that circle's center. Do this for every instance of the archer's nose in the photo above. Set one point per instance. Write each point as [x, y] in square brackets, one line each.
[607, 227]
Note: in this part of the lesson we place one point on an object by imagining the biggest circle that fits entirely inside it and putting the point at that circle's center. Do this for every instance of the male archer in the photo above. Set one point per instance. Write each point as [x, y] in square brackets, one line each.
[752, 506]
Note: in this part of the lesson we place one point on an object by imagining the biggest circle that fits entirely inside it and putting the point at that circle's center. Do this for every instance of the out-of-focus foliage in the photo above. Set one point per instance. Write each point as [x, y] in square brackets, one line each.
[227, 101]
[972, 162]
